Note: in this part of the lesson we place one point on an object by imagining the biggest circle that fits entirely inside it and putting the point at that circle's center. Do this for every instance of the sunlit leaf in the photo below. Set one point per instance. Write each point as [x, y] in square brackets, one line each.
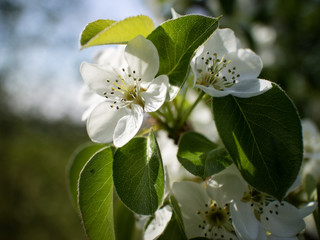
[138, 175]
[78, 160]
[96, 196]
[102, 32]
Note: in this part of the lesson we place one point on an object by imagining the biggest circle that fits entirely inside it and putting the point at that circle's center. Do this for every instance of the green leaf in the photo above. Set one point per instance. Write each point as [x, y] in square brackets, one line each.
[176, 41]
[92, 29]
[102, 32]
[124, 221]
[138, 175]
[96, 196]
[200, 156]
[263, 136]
[78, 160]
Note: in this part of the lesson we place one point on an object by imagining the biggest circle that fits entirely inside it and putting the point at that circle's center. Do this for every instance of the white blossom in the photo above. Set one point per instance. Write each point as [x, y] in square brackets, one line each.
[202, 215]
[221, 68]
[129, 91]
[281, 219]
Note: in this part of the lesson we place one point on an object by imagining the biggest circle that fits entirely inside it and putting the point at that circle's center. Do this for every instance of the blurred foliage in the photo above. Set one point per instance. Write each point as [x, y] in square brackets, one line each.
[286, 34]
[35, 203]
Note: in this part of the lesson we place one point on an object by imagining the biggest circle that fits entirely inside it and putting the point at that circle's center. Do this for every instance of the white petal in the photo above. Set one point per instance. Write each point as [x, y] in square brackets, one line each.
[88, 99]
[128, 126]
[192, 197]
[272, 237]
[213, 92]
[86, 114]
[159, 223]
[156, 93]
[194, 61]
[174, 14]
[283, 220]
[142, 56]
[245, 223]
[221, 42]
[249, 88]
[227, 185]
[113, 56]
[308, 209]
[96, 76]
[102, 122]
[248, 64]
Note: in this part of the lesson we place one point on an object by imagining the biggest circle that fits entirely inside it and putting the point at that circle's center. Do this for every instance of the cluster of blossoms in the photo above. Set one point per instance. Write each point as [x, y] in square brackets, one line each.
[123, 86]
[226, 207]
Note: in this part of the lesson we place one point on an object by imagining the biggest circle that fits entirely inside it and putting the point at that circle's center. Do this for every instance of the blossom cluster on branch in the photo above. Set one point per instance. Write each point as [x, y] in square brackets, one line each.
[211, 153]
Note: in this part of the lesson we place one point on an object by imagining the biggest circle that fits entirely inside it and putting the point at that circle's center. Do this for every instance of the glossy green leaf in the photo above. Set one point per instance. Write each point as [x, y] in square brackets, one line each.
[96, 196]
[138, 175]
[78, 160]
[263, 136]
[200, 156]
[102, 32]
[176, 41]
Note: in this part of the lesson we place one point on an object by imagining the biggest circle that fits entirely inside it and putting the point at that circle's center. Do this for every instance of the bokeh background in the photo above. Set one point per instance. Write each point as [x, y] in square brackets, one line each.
[40, 124]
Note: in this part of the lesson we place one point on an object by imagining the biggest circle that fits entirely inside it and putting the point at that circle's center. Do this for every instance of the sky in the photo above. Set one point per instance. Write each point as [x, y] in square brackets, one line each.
[40, 56]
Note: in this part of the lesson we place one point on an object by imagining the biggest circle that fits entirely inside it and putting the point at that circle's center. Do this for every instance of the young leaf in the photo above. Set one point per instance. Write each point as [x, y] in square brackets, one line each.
[96, 196]
[176, 41]
[200, 156]
[138, 175]
[263, 136]
[102, 32]
[92, 29]
[78, 160]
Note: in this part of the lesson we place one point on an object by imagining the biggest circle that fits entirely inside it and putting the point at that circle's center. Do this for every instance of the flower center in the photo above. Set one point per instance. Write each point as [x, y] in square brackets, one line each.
[257, 199]
[215, 72]
[125, 90]
[217, 223]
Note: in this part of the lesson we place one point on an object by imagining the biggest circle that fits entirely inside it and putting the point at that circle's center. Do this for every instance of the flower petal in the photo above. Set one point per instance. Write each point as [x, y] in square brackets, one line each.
[282, 219]
[159, 223]
[247, 64]
[272, 237]
[142, 57]
[307, 209]
[227, 185]
[174, 14]
[156, 93]
[192, 197]
[245, 223]
[213, 92]
[128, 126]
[102, 122]
[113, 56]
[89, 99]
[222, 41]
[249, 88]
[96, 76]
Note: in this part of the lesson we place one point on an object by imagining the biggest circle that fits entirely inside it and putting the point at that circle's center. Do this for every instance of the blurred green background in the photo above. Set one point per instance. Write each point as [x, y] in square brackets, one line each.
[40, 123]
